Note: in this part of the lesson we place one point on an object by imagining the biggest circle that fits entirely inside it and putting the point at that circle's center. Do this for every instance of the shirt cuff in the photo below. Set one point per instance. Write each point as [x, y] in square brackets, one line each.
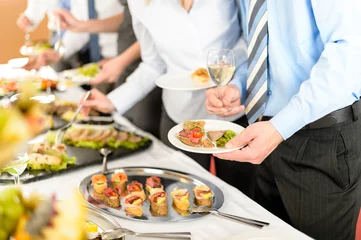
[287, 122]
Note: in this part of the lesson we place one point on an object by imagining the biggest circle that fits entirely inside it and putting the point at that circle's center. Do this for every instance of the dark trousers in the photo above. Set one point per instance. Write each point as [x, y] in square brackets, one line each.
[240, 175]
[313, 181]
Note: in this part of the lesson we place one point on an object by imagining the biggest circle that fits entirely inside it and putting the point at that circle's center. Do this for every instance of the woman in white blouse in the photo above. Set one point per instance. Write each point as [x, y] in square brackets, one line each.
[175, 36]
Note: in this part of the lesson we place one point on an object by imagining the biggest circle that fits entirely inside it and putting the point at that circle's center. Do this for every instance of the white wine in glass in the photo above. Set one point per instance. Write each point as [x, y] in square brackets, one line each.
[221, 65]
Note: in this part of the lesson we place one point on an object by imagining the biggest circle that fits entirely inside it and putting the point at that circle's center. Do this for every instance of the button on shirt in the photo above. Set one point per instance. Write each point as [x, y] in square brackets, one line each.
[314, 59]
[175, 41]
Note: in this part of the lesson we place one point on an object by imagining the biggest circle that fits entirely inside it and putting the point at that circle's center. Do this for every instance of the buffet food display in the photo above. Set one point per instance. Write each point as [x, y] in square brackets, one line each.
[150, 194]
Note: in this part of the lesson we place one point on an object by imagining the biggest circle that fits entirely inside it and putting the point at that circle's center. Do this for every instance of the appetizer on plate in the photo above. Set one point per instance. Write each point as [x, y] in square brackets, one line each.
[133, 205]
[111, 198]
[221, 137]
[158, 202]
[89, 70]
[193, 134]
[180, 198]
[92, 231]
[99, 183]
[200, 75]
[97, 138]
[153, 183]
[136, 188]
[119, 180]
[48, 157]
[203, 196]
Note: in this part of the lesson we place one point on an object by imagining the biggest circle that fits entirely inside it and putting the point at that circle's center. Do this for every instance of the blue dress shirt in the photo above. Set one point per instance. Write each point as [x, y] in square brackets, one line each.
[314, 59]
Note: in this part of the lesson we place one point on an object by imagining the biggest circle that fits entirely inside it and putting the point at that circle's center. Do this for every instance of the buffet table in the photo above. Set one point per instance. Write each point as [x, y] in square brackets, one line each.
[159, 155]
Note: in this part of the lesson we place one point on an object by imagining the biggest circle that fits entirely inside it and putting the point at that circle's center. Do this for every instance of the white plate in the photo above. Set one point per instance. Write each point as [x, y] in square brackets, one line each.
[18, 62]
[73, 76]
[209, 126]
[269, 234]
[181, 81]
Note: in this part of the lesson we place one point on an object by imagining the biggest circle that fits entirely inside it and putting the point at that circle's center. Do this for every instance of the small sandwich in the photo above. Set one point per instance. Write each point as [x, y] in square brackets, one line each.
[99, 182]
[133, 205]
[136, 188]
[180, 198]
[200, 75]
[193, 134]
[158, 202]
[203, 195]
[152, 183]
[111, 198]
[119, 180]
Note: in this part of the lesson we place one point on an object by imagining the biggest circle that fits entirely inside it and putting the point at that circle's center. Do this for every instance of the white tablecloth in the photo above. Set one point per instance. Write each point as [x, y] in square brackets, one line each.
[158, 155]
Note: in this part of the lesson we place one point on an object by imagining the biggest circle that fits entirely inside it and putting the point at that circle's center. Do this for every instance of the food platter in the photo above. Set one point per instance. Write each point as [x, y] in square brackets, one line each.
[181, 81]
[210, 125]
[170, 179]
[80, 75]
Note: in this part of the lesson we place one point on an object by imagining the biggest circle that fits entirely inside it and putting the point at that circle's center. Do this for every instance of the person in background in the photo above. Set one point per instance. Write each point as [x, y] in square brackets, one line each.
[146, 113]
[301, 99]
[175, 37]
[81, 48]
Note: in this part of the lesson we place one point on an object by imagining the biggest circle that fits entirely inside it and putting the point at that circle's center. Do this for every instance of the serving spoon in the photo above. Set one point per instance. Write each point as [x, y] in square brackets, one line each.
[252, 222]
[105, 152]
[118, 233]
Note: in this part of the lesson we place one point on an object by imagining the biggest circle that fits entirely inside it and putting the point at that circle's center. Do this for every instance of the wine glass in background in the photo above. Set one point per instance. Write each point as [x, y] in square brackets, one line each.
[17, 167]
[221, 65]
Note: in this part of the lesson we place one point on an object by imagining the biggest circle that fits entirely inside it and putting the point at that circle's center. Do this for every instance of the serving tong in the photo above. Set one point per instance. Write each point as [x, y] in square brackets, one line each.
[119, 233]
[61, 131]
[251, 222]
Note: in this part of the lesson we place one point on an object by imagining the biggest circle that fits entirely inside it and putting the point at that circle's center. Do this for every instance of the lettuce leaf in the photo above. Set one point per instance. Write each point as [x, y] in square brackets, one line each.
[226, 137]
[65, 162]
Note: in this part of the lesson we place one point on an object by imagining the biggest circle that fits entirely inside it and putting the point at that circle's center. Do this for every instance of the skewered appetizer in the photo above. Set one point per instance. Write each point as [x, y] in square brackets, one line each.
[136, 188]
[92, 231]
[203, 195]
[119, 180]
[133, 205]
[158, 202]
[180, 198]
[152, 183]
[99, 182]
[111, 198]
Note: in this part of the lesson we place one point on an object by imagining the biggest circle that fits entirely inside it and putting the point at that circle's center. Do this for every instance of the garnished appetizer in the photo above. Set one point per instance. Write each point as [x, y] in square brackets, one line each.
[133, 205]
[180, 198]
[99, 182]
[152, 183]
[193, 134]
[136, 188]
[119, 180]
[111, 198]
[158, 202]
[92, 231]
[200, 75]
[221, 137]
[203, 195]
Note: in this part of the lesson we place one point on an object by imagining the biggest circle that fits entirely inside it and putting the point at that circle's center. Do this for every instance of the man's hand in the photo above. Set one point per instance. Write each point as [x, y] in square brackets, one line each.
[111, 71]
[262, 138]
[45, 58]
[99, 102]
[220, 99]
[24, 22]
[68, 21]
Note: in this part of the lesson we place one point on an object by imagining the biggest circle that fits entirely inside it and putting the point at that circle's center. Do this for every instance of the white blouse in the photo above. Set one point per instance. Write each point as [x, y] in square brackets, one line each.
[173, 40]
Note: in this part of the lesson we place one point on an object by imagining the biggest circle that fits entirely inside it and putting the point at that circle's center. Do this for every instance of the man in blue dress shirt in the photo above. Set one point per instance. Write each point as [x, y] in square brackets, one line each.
[300, 92]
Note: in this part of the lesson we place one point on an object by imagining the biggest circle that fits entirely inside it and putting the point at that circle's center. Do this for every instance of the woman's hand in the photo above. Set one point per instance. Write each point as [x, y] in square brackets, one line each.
[99, 102]
[111, 71]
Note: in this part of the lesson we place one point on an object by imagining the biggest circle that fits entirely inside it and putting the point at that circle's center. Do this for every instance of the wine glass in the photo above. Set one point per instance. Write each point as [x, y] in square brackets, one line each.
[221, 65]
[17, 167]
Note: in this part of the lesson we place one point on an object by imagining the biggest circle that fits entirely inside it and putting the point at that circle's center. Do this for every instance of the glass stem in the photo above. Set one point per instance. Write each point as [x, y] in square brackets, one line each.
[17, 180]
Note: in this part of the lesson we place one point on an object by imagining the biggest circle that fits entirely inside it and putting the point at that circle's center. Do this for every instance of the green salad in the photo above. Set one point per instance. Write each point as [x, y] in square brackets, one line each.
[90, 70]
[226, 137]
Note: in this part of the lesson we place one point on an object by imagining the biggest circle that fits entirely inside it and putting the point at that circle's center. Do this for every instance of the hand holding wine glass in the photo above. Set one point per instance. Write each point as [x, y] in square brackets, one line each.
[221, 67]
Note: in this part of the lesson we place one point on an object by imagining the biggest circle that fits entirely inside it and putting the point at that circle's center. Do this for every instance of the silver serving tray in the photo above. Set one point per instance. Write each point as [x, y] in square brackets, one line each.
[169, 178]
[102, 220]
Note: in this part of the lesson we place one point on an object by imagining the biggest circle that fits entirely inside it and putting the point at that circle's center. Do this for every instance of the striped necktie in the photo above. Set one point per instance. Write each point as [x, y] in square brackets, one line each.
[257, 60]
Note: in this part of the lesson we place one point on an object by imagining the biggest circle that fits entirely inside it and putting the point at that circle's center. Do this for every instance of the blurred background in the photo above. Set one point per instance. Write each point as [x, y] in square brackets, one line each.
[12, 36]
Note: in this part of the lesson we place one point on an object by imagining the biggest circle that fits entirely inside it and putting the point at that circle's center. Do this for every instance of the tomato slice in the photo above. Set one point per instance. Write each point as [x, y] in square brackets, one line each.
[197, 134]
